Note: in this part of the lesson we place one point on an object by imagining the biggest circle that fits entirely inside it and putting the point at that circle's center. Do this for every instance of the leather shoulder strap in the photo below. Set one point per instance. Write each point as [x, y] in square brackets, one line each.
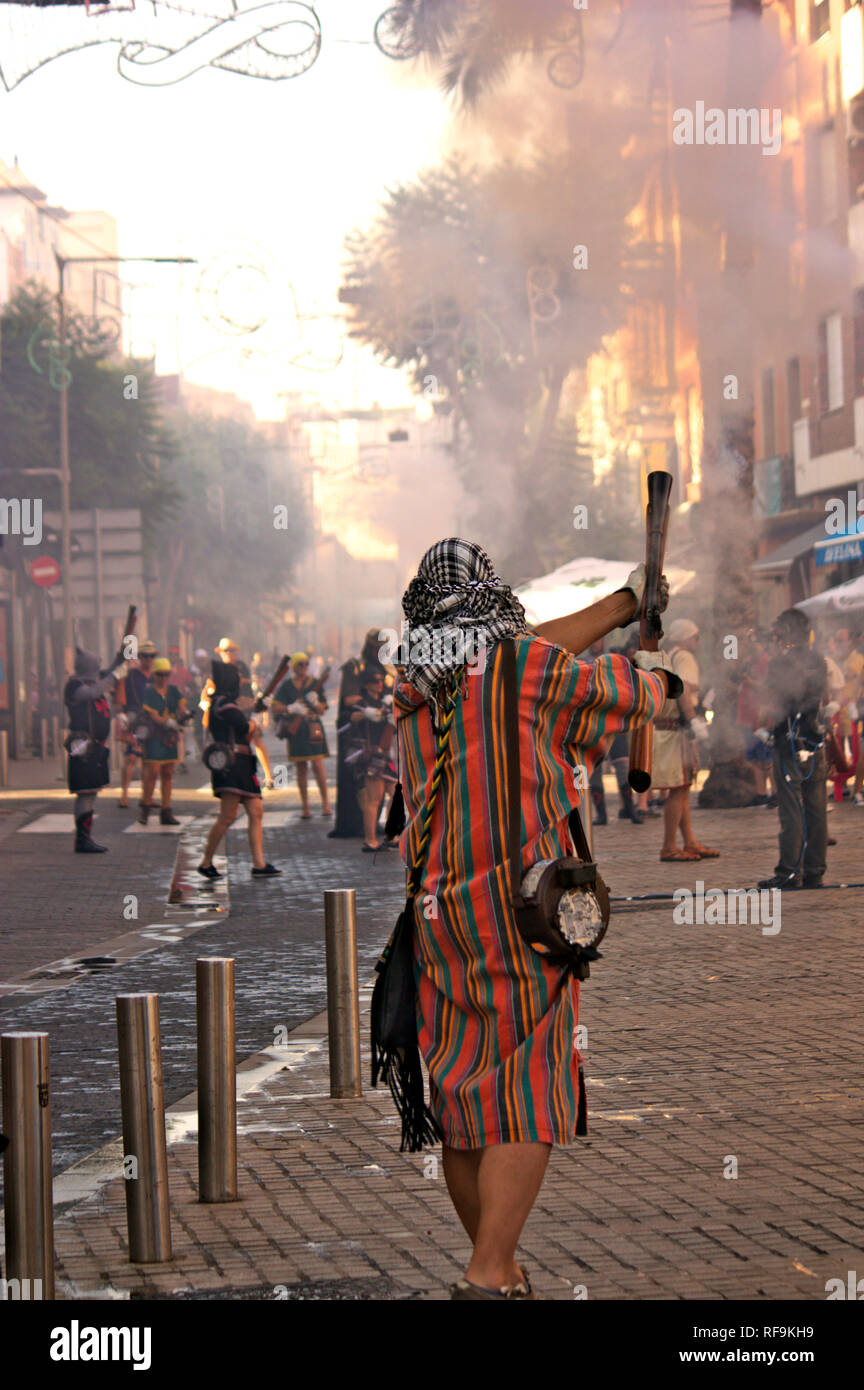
[510, 693]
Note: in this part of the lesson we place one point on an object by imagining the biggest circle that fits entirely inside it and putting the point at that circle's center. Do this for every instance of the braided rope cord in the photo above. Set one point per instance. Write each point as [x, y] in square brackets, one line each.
[444, 732]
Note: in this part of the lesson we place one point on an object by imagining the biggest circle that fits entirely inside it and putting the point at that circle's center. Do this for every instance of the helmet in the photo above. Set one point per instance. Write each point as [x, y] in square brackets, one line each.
[147, 648]
[226, 645]
[298, 658]
[161, 666]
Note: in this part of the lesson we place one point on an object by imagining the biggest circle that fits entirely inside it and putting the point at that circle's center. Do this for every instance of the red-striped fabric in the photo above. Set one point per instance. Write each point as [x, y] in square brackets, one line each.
[496, 1025]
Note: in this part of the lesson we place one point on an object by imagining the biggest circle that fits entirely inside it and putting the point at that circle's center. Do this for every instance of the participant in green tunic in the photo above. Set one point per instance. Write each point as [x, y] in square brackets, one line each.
[163, 706]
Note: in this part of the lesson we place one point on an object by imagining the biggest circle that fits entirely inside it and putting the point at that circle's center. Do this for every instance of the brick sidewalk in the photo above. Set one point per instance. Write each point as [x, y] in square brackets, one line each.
[705, 1045]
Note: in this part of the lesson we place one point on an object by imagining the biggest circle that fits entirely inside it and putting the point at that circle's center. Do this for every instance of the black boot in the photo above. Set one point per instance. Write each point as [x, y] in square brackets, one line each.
[143, 813]
[167, 817]
[628, 810]
[83, 843]
[598, 801]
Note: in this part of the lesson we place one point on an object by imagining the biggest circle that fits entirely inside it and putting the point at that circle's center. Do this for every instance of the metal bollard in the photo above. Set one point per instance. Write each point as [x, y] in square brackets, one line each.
[141, 1101]
[4, 758]
[29, 1195]
[343, 999]
[217, 1080]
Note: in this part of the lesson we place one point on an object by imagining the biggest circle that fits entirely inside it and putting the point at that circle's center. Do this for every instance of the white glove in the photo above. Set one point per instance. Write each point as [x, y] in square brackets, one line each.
[376, 715]
[659, 661]
[763, 735]
[298, 707]
[172, 725]
[120, 671]
[853, 710]
[699, 730]
[635, 582]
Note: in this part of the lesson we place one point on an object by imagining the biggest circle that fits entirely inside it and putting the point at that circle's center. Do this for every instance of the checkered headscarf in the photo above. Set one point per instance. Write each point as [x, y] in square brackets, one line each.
[455, 592]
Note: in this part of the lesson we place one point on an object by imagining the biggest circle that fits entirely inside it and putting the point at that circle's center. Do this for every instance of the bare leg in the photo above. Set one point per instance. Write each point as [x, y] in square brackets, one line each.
[166, 774]
[370, 799]
[303, 784]
[149, 773]
[255, 829]
[509, 1177]
[460, 1174]
[672, 819]
[126, 776]
[228, 808]
[321, 779]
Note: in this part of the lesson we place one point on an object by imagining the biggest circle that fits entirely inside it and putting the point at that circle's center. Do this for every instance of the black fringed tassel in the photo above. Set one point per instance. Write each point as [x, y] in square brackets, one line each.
[582, 1112]
[400, 1068]
[395, 822]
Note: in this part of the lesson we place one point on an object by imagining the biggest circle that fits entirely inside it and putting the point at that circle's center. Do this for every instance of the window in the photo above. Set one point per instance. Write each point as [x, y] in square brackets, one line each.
[858, 348]
[831, 363]
[769, 433]
[828, 175]
[793, 392]
[820, 19]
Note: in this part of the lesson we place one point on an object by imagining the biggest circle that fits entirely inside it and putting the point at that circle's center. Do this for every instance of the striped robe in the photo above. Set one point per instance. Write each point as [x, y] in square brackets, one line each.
[496, 1025]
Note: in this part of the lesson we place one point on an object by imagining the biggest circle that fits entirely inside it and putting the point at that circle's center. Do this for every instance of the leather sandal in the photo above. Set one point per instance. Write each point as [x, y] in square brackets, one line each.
[679, 856]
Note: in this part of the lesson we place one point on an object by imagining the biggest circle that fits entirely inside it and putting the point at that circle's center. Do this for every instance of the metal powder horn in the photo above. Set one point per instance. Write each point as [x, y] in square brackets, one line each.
[650, 621]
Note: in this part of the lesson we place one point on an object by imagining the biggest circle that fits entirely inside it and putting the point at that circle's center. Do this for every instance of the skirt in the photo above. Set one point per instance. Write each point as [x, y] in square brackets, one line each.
[240, 779]
[310, 741]
[673, 764]
[88, 772]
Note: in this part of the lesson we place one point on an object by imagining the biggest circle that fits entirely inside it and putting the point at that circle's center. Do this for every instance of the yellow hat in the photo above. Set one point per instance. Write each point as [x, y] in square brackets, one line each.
[227, 645]
[298, 657]
[147, 648]
[161, 666]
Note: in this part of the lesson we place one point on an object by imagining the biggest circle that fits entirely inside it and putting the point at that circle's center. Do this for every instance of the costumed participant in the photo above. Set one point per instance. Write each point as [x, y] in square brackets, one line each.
[349, 817]
[85, 696]
[372, 732]
[297, 706]
[237, 783]
[128, 699]
[164, 709]
[797, 679]
[677, 736]
[496, 1018]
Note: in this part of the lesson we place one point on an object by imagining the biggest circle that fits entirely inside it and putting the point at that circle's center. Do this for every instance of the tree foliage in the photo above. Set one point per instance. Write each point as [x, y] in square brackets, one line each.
[488, 286]
[118, 447]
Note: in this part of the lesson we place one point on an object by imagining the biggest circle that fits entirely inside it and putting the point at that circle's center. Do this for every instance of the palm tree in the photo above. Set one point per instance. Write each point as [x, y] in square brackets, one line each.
[474, 42]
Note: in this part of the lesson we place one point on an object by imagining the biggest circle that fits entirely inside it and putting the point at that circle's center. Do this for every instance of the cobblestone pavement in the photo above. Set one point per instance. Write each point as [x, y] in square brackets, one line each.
[708, 1048]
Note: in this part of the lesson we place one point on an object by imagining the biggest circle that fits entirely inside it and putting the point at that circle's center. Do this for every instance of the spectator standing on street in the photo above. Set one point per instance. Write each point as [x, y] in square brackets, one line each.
[797, 678]
[372, 731]
[677, 734]
[754, 713]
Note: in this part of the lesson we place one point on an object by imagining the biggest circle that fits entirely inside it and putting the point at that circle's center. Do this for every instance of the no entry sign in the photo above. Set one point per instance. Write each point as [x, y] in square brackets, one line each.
[45, 572]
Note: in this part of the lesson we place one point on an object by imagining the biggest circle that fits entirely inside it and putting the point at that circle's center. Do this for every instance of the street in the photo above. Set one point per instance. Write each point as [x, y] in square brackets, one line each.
[724, 1085]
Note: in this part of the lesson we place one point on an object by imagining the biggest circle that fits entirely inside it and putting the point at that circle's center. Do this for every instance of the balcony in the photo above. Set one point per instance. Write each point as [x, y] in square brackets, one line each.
[816, 472]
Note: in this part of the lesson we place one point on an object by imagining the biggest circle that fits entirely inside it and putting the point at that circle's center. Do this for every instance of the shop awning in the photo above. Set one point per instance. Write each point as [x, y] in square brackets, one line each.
[778, 561]
[582, 582]
[843, 598]
[836, 550]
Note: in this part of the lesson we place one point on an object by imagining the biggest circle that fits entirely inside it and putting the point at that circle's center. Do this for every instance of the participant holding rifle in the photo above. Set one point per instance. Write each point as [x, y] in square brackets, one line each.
[232, 760]
[89, 713]
[298, 705]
